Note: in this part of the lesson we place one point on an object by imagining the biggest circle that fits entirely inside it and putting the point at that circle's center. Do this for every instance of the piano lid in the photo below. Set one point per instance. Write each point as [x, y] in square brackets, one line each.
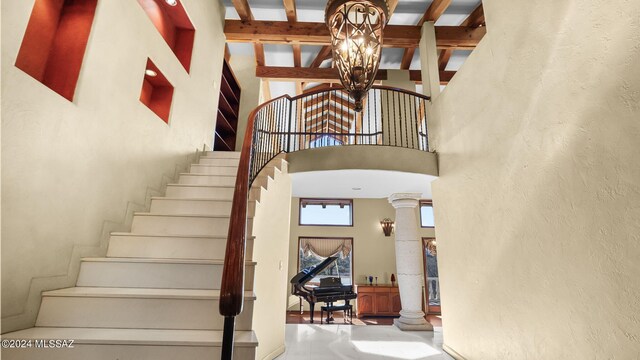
[307, 274]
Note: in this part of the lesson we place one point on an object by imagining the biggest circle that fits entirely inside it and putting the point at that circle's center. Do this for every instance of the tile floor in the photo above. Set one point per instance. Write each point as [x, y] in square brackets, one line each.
[343, 341]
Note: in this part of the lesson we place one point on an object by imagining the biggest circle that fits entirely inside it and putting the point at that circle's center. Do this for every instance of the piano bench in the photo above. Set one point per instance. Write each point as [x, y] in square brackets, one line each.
[346, 308]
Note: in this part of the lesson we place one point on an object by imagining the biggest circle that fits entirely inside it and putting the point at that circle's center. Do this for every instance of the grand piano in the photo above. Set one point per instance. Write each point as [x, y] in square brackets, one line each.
[330, 289]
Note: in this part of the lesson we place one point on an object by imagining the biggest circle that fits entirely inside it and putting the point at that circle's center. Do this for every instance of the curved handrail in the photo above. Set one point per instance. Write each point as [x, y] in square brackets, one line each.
[271, 131]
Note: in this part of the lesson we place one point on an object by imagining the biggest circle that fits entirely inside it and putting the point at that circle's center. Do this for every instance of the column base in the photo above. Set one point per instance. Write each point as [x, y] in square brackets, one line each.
[426, 326]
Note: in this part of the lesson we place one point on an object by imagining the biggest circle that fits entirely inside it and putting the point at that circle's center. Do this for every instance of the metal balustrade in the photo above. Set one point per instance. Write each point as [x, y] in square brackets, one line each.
[390, 117]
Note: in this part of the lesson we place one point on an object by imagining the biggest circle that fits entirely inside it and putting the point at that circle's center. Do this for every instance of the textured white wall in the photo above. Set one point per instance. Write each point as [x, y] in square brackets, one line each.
[271, 252]
[73, 171]
[538, 200]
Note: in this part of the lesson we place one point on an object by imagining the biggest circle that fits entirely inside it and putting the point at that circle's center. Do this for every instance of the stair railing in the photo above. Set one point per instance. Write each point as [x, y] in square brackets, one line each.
[391, 117]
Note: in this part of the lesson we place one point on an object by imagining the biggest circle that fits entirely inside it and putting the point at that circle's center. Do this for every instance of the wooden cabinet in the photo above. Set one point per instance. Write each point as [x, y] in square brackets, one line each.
[228, 108]
[378, 300]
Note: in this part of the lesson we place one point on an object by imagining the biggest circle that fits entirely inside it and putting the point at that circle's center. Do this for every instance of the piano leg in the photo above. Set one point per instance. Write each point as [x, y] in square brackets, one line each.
[311, 305]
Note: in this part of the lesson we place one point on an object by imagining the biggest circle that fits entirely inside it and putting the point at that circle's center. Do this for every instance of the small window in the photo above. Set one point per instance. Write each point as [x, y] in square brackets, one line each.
[426, 214]
[313, 251]
[326, 212]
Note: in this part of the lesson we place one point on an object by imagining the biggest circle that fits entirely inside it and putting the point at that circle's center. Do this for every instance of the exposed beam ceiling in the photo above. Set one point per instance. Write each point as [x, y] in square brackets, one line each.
[476, 19]
[321, 75]
[292, 17]
[435, 10]
[329, 75]
[443, 59]
[323, 54]
[433, 13]
[407, 58]
[282, 32]
[243, 9]
[290, 9]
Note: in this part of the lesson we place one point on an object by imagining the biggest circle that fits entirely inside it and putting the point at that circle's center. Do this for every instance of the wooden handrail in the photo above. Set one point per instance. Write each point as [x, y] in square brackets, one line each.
[232, 288]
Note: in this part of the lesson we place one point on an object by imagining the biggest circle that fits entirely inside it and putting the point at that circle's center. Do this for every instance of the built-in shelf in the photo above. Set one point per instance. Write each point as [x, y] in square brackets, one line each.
[54, 43]
[228, 108]
[174, 26]
[157, 91]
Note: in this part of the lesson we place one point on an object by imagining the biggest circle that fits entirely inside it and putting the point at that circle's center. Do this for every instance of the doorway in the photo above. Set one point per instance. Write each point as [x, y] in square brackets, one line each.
[431, 277]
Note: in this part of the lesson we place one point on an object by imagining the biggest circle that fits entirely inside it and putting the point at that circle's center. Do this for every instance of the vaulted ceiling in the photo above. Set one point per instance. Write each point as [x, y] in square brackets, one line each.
[277, 33]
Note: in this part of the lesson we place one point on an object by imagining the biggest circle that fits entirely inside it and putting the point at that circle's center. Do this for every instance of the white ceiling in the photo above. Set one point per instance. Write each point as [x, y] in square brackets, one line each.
[408, 12]
[374, 184]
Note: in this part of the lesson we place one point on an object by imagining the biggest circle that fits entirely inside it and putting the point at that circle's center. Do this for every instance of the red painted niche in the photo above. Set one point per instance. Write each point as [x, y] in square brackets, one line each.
[174, 25]
[157, 92]
[54, 43]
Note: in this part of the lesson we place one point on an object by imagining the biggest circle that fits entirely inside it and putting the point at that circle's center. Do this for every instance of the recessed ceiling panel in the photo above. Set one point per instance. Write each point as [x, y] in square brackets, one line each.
[310, 10]
[279, 88]
[457, 12]
[241, 49]
[308, 54]
[409, 12]
[269, 10]
[278, 55]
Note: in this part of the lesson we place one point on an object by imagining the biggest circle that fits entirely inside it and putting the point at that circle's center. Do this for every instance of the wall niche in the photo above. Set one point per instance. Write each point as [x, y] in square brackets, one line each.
[55, 41]
[157, 91]
[173, 23]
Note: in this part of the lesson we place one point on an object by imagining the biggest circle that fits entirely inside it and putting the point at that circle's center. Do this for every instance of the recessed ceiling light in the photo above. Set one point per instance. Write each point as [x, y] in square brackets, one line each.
[151, 73]
[171, 2]
[356, 188]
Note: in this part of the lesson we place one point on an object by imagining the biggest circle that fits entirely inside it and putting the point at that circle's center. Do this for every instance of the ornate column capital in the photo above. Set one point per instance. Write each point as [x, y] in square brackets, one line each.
[403, 200]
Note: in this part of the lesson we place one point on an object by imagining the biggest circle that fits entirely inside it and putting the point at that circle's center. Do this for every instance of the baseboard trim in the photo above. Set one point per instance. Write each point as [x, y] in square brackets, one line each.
[274, 354]
[452, 352]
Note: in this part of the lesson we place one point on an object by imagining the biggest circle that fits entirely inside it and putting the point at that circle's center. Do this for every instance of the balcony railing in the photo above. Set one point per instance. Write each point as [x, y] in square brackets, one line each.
[390, 117]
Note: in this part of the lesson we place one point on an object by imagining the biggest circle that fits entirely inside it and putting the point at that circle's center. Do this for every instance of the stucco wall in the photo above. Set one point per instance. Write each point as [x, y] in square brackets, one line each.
[373, 253]
[74, 171]
[271, 252]
[244, 68]
[538, 200]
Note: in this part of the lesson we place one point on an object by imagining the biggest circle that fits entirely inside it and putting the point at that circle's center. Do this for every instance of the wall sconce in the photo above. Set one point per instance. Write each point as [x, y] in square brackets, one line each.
[387, 226]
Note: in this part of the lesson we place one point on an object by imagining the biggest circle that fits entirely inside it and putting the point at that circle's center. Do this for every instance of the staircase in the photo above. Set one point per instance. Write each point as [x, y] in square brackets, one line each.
[155, 295]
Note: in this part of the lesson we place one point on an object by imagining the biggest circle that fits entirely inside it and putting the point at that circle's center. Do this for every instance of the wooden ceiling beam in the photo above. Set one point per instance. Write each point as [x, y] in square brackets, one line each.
[433, 13]
[328, 75]
[290, 9]
[435, 10]
[321, 75]
[443, 59]
[243, 9]
[476, 19]
[323, 54]
[400, 36]
[407, 58]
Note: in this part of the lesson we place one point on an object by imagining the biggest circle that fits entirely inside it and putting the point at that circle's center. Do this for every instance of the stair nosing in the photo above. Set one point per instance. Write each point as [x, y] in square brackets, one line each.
[192, 174]
[173, 198]
[186, 215]
[222, 237]
[141, 293]
[202, 185]
[210, 165]
[119, 259]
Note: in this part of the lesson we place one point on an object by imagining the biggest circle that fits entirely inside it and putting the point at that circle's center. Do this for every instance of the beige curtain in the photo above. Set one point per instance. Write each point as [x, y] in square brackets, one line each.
[326, 247]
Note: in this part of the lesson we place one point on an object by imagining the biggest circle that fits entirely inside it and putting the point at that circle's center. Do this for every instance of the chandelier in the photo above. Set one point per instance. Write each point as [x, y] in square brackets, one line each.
[356, 42]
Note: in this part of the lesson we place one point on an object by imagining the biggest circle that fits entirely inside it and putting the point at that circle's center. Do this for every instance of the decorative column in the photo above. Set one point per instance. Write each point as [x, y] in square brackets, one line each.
[409, 263]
